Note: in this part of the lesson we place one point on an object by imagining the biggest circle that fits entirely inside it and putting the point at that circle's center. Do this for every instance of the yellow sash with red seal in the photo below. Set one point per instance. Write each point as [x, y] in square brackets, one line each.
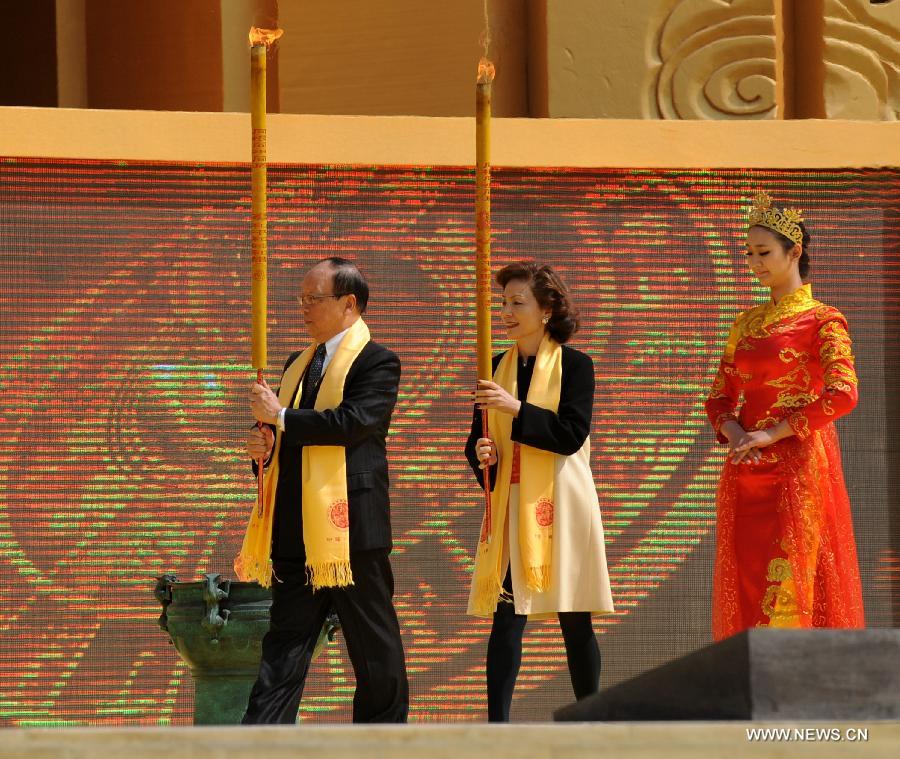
[326, 516]
[537, 474]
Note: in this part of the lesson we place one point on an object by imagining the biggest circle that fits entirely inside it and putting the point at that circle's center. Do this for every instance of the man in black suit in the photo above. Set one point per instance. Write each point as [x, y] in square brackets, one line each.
[333, 297]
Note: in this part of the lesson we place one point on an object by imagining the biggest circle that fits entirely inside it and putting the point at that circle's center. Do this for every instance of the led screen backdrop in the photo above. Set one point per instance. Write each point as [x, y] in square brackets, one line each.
[124, 356]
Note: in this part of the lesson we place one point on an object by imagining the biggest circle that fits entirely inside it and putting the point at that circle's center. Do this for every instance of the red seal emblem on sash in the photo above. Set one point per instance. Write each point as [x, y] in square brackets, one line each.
[543, 512]
[340, 514]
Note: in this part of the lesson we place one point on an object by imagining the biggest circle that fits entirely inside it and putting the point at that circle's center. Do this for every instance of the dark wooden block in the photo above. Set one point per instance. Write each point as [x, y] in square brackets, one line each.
[763, 674]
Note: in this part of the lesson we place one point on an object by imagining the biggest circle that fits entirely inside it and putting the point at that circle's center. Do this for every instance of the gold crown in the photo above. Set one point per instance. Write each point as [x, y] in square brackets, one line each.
[786, 221]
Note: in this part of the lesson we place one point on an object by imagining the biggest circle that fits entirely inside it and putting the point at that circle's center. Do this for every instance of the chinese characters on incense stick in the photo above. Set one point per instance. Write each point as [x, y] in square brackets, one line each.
[260, 41]
[483, 248]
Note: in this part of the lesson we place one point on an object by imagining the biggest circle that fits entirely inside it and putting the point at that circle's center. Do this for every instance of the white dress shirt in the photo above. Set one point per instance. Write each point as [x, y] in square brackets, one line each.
[330, 347]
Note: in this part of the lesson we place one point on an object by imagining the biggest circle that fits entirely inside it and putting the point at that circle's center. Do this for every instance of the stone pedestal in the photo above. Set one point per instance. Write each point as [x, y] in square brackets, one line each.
[763, 674]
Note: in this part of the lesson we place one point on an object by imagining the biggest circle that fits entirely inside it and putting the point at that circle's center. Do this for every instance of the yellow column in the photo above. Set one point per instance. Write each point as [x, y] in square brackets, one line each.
[71, 54]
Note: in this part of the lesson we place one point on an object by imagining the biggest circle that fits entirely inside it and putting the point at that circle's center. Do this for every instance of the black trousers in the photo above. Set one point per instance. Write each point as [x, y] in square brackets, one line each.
[504, 655]
[369, 626]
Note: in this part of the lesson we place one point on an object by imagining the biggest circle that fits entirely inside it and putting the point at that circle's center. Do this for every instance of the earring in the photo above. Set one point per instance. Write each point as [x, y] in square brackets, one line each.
[545, 320]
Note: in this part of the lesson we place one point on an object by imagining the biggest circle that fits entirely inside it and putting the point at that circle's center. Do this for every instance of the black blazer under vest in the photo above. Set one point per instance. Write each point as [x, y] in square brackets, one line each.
[563, 432]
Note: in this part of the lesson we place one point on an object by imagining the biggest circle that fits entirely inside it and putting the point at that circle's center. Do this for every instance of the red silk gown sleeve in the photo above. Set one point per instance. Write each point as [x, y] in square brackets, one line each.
[722, 402]
[839, 394]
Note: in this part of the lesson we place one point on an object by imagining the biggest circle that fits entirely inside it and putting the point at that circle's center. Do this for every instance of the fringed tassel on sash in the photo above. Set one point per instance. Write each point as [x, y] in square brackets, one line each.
[333, 574]
[538, 578]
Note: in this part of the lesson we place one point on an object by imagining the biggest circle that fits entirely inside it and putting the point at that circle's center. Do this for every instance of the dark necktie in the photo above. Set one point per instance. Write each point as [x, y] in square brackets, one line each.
[313, 375]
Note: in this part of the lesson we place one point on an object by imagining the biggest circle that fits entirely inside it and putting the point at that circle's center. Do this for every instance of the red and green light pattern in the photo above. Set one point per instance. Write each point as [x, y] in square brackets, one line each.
[124, 368]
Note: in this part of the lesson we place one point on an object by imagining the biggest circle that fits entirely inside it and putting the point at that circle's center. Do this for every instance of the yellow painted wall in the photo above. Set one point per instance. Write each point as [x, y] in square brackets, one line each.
[672, 59]
[636, 59]
[165, 54]
[399, 140]
[398, 57]
[862, 60]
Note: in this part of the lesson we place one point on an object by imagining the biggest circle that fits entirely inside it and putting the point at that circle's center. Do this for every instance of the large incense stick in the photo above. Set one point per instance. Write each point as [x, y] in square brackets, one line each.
[483, 249]
[258, 225]
[260, 39]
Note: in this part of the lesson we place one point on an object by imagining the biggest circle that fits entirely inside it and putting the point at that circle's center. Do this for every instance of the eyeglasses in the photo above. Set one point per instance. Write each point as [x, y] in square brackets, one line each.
[312, 300]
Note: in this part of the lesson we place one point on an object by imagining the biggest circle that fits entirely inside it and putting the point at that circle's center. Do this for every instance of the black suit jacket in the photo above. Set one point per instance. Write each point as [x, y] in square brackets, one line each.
[360, 424]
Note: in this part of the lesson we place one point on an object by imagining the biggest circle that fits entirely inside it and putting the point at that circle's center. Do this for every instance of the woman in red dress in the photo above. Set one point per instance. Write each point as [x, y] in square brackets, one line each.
[785, 551]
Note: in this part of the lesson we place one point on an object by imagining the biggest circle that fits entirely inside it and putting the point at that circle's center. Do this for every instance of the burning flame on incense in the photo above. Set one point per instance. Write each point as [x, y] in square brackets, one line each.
[264, 36]
[485, 65]
[485, 71]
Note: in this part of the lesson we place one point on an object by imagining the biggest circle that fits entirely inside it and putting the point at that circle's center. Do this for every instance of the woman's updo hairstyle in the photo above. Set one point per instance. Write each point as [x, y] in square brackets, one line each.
[787, 243]
[549, 291]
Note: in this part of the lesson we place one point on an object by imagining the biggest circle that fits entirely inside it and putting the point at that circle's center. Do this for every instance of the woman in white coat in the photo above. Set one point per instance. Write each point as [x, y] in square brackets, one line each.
[544, 555]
